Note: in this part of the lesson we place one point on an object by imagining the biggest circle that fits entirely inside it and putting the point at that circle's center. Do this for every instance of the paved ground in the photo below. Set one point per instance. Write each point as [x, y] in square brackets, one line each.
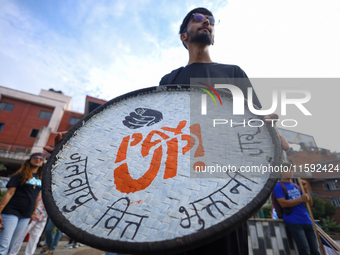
[60, 250]
[83, 250]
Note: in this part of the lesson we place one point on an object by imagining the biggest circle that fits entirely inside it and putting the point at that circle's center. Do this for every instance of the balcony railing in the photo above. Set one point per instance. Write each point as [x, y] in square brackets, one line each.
[10, 151]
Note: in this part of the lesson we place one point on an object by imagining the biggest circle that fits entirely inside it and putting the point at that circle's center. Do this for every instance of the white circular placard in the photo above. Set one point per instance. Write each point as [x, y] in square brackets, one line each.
[148, 169]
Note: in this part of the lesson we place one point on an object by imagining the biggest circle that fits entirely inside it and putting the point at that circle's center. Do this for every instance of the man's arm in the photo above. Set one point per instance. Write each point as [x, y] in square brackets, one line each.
[290, 203]
[305, 187]
[284, 142]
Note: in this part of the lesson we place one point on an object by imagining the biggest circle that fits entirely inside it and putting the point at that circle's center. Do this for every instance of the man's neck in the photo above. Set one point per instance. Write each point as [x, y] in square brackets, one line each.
[199, 53]
[286, 180]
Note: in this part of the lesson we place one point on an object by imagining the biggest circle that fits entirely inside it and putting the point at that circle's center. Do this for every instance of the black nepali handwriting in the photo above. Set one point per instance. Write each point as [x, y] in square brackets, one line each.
[79, 182]
[116, 212]
[233, 185]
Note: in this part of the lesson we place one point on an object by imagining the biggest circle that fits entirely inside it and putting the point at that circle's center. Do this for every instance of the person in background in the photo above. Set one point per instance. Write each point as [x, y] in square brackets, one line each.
[18, 205]
[72, 243]
[51, 240]
[295, 215]
[35, 228]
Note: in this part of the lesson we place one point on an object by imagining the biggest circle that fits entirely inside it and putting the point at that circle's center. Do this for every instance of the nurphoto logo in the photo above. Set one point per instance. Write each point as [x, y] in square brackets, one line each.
[239, 102]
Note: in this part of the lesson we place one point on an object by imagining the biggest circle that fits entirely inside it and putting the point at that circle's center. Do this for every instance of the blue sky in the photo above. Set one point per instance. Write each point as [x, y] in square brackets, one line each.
[107, 48]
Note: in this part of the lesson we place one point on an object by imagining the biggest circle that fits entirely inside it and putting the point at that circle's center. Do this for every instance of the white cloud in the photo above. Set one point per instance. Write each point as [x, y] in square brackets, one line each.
[280, 38]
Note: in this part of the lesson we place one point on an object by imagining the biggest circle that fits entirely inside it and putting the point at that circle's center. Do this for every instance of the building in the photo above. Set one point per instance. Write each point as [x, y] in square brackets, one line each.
[29, 122]
[326, 183]
[321, 169]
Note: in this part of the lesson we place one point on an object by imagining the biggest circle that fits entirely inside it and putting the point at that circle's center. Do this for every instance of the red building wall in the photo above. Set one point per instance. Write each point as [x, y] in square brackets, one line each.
[64, 125]
[20, 122]
[311, 156]
[65, 121]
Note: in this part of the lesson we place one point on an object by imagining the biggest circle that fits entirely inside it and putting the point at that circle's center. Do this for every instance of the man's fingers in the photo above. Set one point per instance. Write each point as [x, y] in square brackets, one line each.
[270, 117]
[273, 118]
[49, 149]
[305, 197]
[58, 137]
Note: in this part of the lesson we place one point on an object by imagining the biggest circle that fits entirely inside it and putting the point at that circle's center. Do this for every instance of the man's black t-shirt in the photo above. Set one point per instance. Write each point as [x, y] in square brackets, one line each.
[231, 74]
[236, 242]
[23, 201]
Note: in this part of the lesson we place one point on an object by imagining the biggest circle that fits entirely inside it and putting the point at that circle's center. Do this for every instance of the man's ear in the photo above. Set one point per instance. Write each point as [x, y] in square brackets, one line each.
[184, 37]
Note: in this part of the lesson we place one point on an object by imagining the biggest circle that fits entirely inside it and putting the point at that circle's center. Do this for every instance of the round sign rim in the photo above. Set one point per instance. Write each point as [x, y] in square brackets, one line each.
[166, 246]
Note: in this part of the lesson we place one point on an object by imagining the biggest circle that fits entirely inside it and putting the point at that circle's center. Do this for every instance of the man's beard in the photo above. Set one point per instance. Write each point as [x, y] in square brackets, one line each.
[204, 38]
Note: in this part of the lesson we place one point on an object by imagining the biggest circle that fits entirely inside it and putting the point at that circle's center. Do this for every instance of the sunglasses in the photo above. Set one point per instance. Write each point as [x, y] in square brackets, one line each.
[200, 17]
[37, 158]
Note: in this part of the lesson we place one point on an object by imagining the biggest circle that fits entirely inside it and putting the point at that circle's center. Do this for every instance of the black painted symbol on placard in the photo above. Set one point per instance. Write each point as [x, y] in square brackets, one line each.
[142, 117]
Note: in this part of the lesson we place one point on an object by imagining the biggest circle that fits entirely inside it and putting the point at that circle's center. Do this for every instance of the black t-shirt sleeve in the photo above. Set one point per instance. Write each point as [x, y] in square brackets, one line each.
[14, 181]
[170, 78]
[164, 79]
[239, 73]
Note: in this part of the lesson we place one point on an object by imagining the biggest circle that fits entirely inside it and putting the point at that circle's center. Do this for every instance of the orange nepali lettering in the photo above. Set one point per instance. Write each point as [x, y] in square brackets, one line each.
[198, 166]
[128, 184]
[121, 155]
[190, 144]
[171, 160]
[137, 138]
[178, 129]
[122, 178]
[147, 144]
[196, 130]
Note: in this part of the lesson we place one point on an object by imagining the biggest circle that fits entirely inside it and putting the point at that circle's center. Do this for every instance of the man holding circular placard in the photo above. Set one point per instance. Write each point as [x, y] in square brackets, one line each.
[197, 34]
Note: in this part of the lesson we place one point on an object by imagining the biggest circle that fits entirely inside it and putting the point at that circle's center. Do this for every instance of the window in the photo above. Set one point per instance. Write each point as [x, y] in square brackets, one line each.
[34, 133]
[45, 115]
[2, 126]
[331, 185]
[93, 106]
[6, 106]
[335, 201]
[73, 120]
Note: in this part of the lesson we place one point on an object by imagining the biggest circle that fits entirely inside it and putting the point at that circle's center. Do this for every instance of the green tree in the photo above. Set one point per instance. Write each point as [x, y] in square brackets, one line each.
[322, 209]
[267, 208]
[329, 225]
[330, 209]
[2, 167]
[318, 208]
